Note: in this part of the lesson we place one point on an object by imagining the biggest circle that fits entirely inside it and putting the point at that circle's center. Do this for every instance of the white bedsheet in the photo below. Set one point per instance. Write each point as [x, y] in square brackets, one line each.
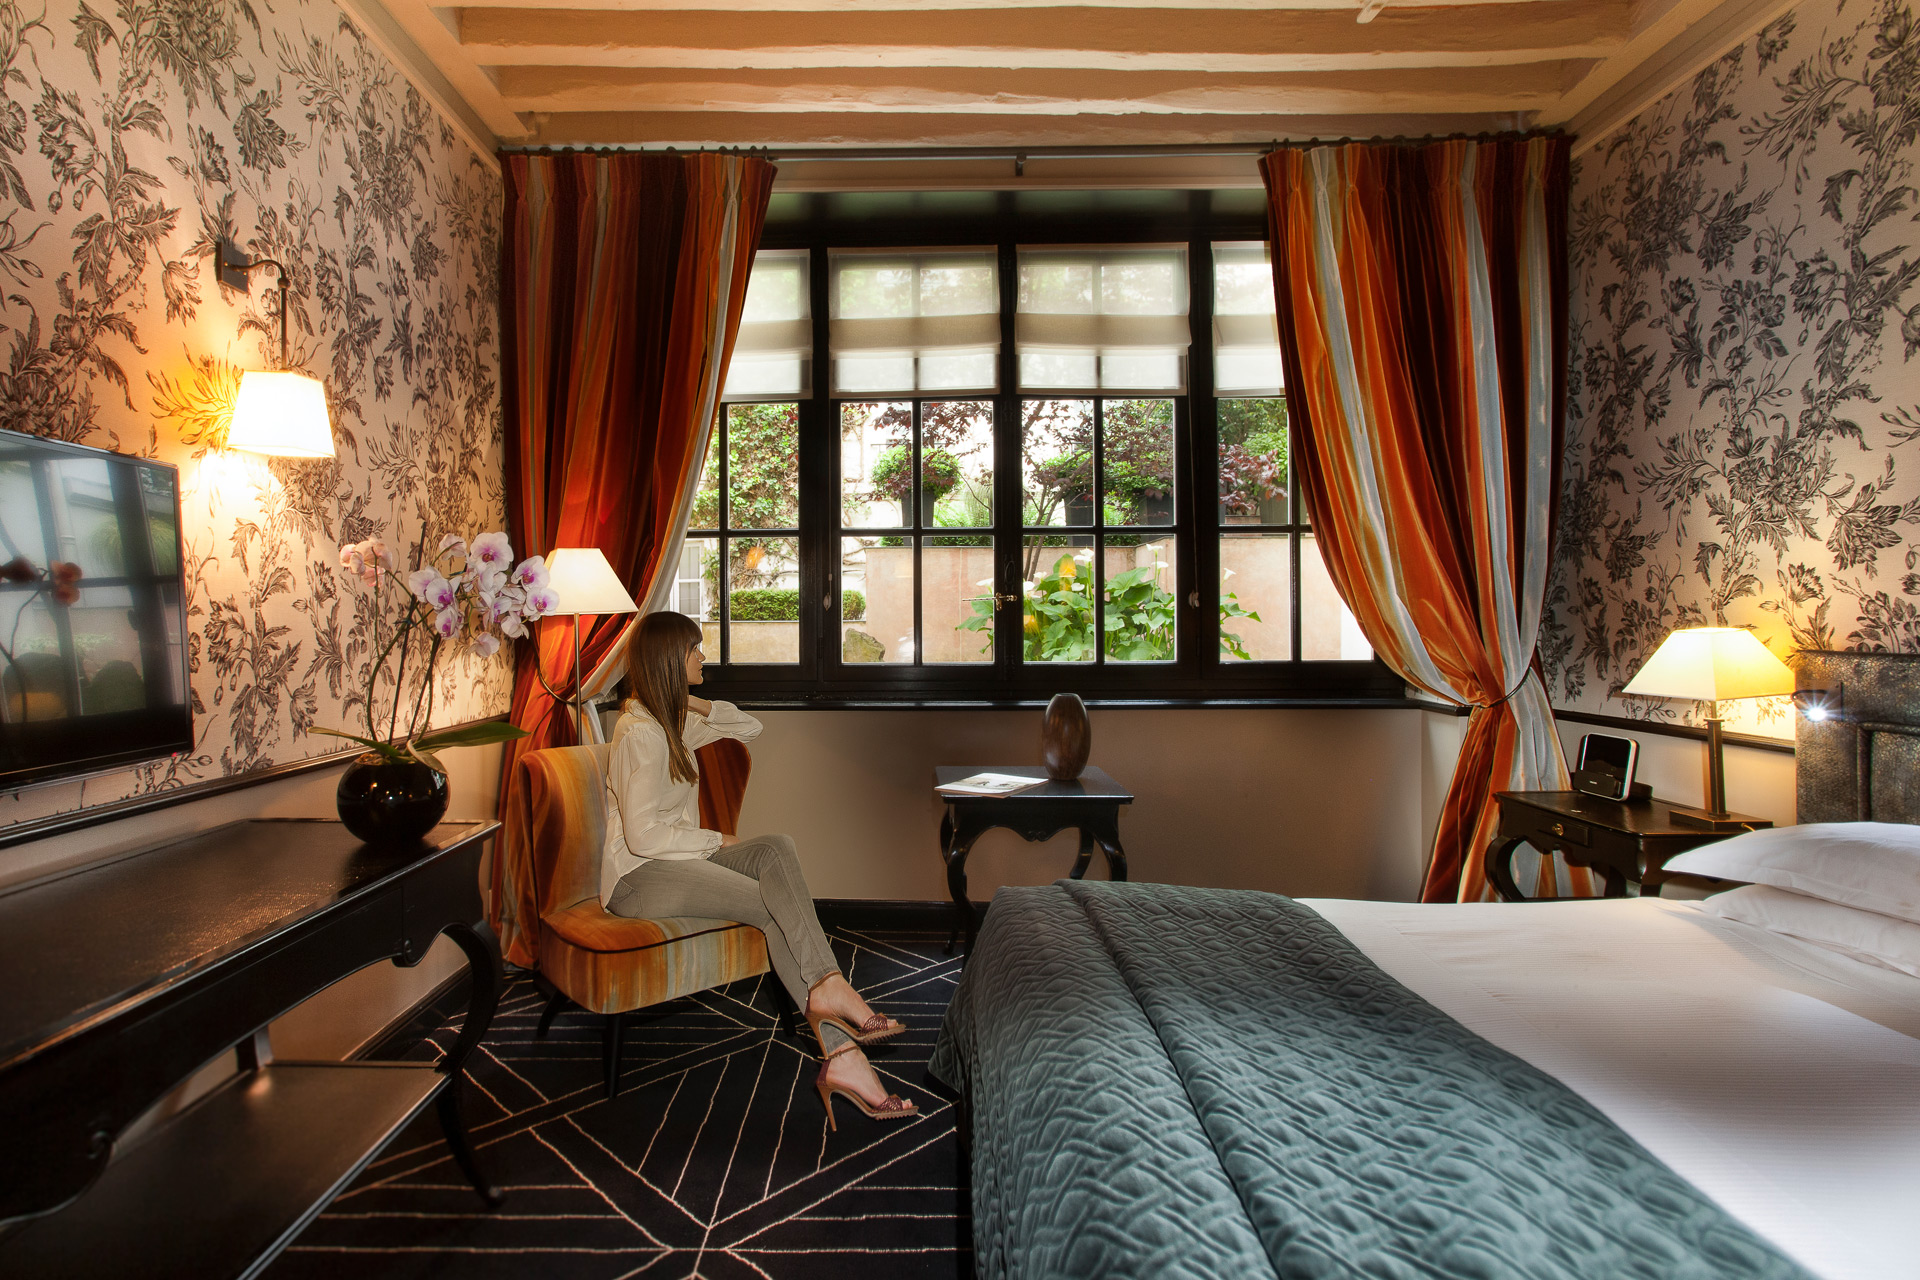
[1780, 1079]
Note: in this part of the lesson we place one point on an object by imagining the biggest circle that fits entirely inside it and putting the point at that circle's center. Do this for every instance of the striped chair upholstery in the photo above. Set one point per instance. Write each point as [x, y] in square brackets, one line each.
[610, 964]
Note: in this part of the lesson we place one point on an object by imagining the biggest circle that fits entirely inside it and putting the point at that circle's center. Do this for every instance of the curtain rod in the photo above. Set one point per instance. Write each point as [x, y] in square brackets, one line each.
[803, 155]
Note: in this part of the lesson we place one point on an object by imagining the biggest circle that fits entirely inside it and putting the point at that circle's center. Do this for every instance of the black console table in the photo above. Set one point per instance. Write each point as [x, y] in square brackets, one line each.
[1090, 802]
[123, 979]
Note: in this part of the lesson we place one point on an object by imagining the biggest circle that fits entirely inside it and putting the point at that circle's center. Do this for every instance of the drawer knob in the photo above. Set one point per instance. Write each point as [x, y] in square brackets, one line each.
[1559, 829]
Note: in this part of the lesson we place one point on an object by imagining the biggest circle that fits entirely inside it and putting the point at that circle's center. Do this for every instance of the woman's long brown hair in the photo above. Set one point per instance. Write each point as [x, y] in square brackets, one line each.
[657, 672]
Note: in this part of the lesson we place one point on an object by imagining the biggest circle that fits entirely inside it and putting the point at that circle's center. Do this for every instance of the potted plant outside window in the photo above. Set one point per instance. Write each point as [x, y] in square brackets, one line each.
[893, 478]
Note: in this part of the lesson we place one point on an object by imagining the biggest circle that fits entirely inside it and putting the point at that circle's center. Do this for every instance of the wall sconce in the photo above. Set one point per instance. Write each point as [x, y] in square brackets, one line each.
[1818, 702]
[280, 414]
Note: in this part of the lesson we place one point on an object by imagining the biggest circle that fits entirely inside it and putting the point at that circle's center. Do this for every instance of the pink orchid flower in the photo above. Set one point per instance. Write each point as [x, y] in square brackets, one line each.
[491, 550]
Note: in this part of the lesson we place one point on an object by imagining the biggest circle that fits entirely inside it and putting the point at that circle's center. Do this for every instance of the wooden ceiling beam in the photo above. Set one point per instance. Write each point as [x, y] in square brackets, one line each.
[1014, 129]
[957, 91]
[1349, 7]
[1121, 39]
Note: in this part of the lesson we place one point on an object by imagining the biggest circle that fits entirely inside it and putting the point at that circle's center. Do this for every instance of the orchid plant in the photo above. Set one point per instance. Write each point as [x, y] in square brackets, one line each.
[467, 595]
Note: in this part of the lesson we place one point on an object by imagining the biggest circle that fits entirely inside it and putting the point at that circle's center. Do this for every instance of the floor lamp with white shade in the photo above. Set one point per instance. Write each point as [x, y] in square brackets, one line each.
[584, 583]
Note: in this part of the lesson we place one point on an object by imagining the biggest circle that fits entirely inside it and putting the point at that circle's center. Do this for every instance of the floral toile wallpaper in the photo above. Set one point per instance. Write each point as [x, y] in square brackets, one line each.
[1743, 426]
[134, 134]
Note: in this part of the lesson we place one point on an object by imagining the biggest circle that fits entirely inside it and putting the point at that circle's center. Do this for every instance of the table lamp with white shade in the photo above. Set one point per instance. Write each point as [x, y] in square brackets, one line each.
[1712, 665]
[583, 582]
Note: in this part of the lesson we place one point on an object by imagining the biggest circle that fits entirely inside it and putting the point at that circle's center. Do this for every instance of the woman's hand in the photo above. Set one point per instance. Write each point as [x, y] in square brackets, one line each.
[726, 839]
[699, 705]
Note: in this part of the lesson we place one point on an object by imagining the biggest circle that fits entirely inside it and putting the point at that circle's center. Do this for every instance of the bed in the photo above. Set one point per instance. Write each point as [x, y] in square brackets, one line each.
[1169, 1081]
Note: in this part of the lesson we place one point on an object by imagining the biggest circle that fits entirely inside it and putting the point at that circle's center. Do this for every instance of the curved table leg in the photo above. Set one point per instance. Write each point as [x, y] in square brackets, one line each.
[1116, 856]
[483, 963]
[1499, 870]
[1086, 855]
[959, 844]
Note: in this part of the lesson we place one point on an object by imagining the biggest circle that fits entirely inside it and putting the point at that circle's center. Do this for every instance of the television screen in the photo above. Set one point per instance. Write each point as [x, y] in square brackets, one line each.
[93, 640]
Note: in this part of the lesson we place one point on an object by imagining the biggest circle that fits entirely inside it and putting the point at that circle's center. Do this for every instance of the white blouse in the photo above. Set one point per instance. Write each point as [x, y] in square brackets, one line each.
[649, 814]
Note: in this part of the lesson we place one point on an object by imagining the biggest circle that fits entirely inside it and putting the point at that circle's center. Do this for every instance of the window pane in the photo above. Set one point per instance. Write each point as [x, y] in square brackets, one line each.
[1256, 594]
[763, 466]
[763, 604]
[1140, 599]
[706, 498]
[1253, 461]
[1137, 450]
[956, 601]
[1328, 632]
[1057, 599]
[956, 463]
[876, 581]
[876, 464]
[1056, 459]
[696, 590]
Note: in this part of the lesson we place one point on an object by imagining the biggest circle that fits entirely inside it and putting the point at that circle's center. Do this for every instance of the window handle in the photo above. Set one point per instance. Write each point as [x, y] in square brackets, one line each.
[1002, 598]
[1193, 599]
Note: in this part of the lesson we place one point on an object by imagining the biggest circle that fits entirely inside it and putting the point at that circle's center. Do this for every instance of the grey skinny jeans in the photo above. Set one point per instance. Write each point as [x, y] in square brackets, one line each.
[756, 882]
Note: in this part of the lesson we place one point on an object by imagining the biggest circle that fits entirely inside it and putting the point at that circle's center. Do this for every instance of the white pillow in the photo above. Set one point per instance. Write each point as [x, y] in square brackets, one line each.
[1871, 865]
[1864, 935]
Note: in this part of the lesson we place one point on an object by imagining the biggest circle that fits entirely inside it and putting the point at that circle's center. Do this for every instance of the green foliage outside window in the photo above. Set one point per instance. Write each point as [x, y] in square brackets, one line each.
[765, 604]
[1057, 625]
[1253, 453]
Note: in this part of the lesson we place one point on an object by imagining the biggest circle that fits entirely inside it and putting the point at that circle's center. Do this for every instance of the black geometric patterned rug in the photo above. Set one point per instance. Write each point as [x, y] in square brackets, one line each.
[714, 1161]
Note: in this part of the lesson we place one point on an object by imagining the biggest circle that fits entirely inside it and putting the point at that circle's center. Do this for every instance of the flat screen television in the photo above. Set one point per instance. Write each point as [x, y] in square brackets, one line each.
[93, 668]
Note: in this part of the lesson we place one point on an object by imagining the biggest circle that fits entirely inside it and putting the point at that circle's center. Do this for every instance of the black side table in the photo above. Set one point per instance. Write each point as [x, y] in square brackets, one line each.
[1622, 840]
[1091, 803]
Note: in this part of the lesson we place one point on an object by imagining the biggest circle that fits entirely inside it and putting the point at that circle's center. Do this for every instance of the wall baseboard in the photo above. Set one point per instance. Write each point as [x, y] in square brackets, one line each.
[431, 1012]
[888, 913]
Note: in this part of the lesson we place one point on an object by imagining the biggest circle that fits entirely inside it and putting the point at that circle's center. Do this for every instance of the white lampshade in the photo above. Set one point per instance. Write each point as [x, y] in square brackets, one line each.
[585, 583]
[1712, 664]
[281, 414]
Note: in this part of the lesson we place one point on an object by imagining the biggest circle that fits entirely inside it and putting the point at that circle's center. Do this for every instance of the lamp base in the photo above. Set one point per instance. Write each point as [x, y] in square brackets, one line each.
[1707, 820]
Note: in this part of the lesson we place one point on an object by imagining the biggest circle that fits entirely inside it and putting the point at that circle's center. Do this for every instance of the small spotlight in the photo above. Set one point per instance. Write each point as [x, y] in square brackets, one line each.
[1818, 702]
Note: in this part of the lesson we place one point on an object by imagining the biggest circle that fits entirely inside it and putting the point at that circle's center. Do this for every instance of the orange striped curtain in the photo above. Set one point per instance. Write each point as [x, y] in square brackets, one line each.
[623, 278]
[1422, 299]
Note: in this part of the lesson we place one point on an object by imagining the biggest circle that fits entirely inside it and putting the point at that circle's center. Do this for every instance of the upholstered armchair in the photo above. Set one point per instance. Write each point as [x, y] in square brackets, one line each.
[603, 963]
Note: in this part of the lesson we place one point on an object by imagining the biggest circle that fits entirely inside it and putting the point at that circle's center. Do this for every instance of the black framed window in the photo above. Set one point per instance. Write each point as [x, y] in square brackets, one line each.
[1024, 456]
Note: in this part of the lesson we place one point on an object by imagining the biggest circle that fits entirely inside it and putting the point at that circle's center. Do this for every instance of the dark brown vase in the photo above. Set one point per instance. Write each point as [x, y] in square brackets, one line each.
[1065, 737]
[384, 802]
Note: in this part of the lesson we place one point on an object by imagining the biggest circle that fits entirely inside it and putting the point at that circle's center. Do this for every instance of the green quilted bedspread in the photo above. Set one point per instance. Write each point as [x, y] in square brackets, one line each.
[1165, 1081]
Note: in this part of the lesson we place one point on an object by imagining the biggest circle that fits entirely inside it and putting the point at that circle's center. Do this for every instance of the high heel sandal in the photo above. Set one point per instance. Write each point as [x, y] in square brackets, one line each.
[876, 1028]
[894, 1107]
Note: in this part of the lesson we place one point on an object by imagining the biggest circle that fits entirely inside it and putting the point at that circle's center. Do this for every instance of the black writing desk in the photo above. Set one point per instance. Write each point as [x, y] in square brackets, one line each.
[124, 979]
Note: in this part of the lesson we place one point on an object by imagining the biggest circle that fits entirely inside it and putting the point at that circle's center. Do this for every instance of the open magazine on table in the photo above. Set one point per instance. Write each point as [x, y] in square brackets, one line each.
[989, 784]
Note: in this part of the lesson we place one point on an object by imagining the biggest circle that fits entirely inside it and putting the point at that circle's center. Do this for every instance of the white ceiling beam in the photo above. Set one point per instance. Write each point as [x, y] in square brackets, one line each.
[957, 91]
[1122, 39]
[1017, 129]
[436, 42]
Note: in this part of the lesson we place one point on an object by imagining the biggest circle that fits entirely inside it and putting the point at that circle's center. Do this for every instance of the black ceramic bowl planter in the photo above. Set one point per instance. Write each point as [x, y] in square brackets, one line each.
[390, 802]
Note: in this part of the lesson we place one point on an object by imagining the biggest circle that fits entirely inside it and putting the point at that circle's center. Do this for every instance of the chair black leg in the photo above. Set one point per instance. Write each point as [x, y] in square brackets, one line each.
[616, 1024]
[546, 1015]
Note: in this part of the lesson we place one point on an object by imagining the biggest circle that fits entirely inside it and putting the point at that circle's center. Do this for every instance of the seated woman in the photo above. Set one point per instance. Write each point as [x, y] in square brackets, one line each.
[660, 862]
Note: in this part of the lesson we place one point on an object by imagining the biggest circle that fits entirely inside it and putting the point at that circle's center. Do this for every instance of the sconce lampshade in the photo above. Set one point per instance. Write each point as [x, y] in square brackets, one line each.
[283, 415]
[586, 583]
[1712, 664]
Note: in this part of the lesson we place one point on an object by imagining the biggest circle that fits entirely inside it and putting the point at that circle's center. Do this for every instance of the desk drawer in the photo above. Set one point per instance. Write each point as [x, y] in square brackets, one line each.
[1545, 831]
